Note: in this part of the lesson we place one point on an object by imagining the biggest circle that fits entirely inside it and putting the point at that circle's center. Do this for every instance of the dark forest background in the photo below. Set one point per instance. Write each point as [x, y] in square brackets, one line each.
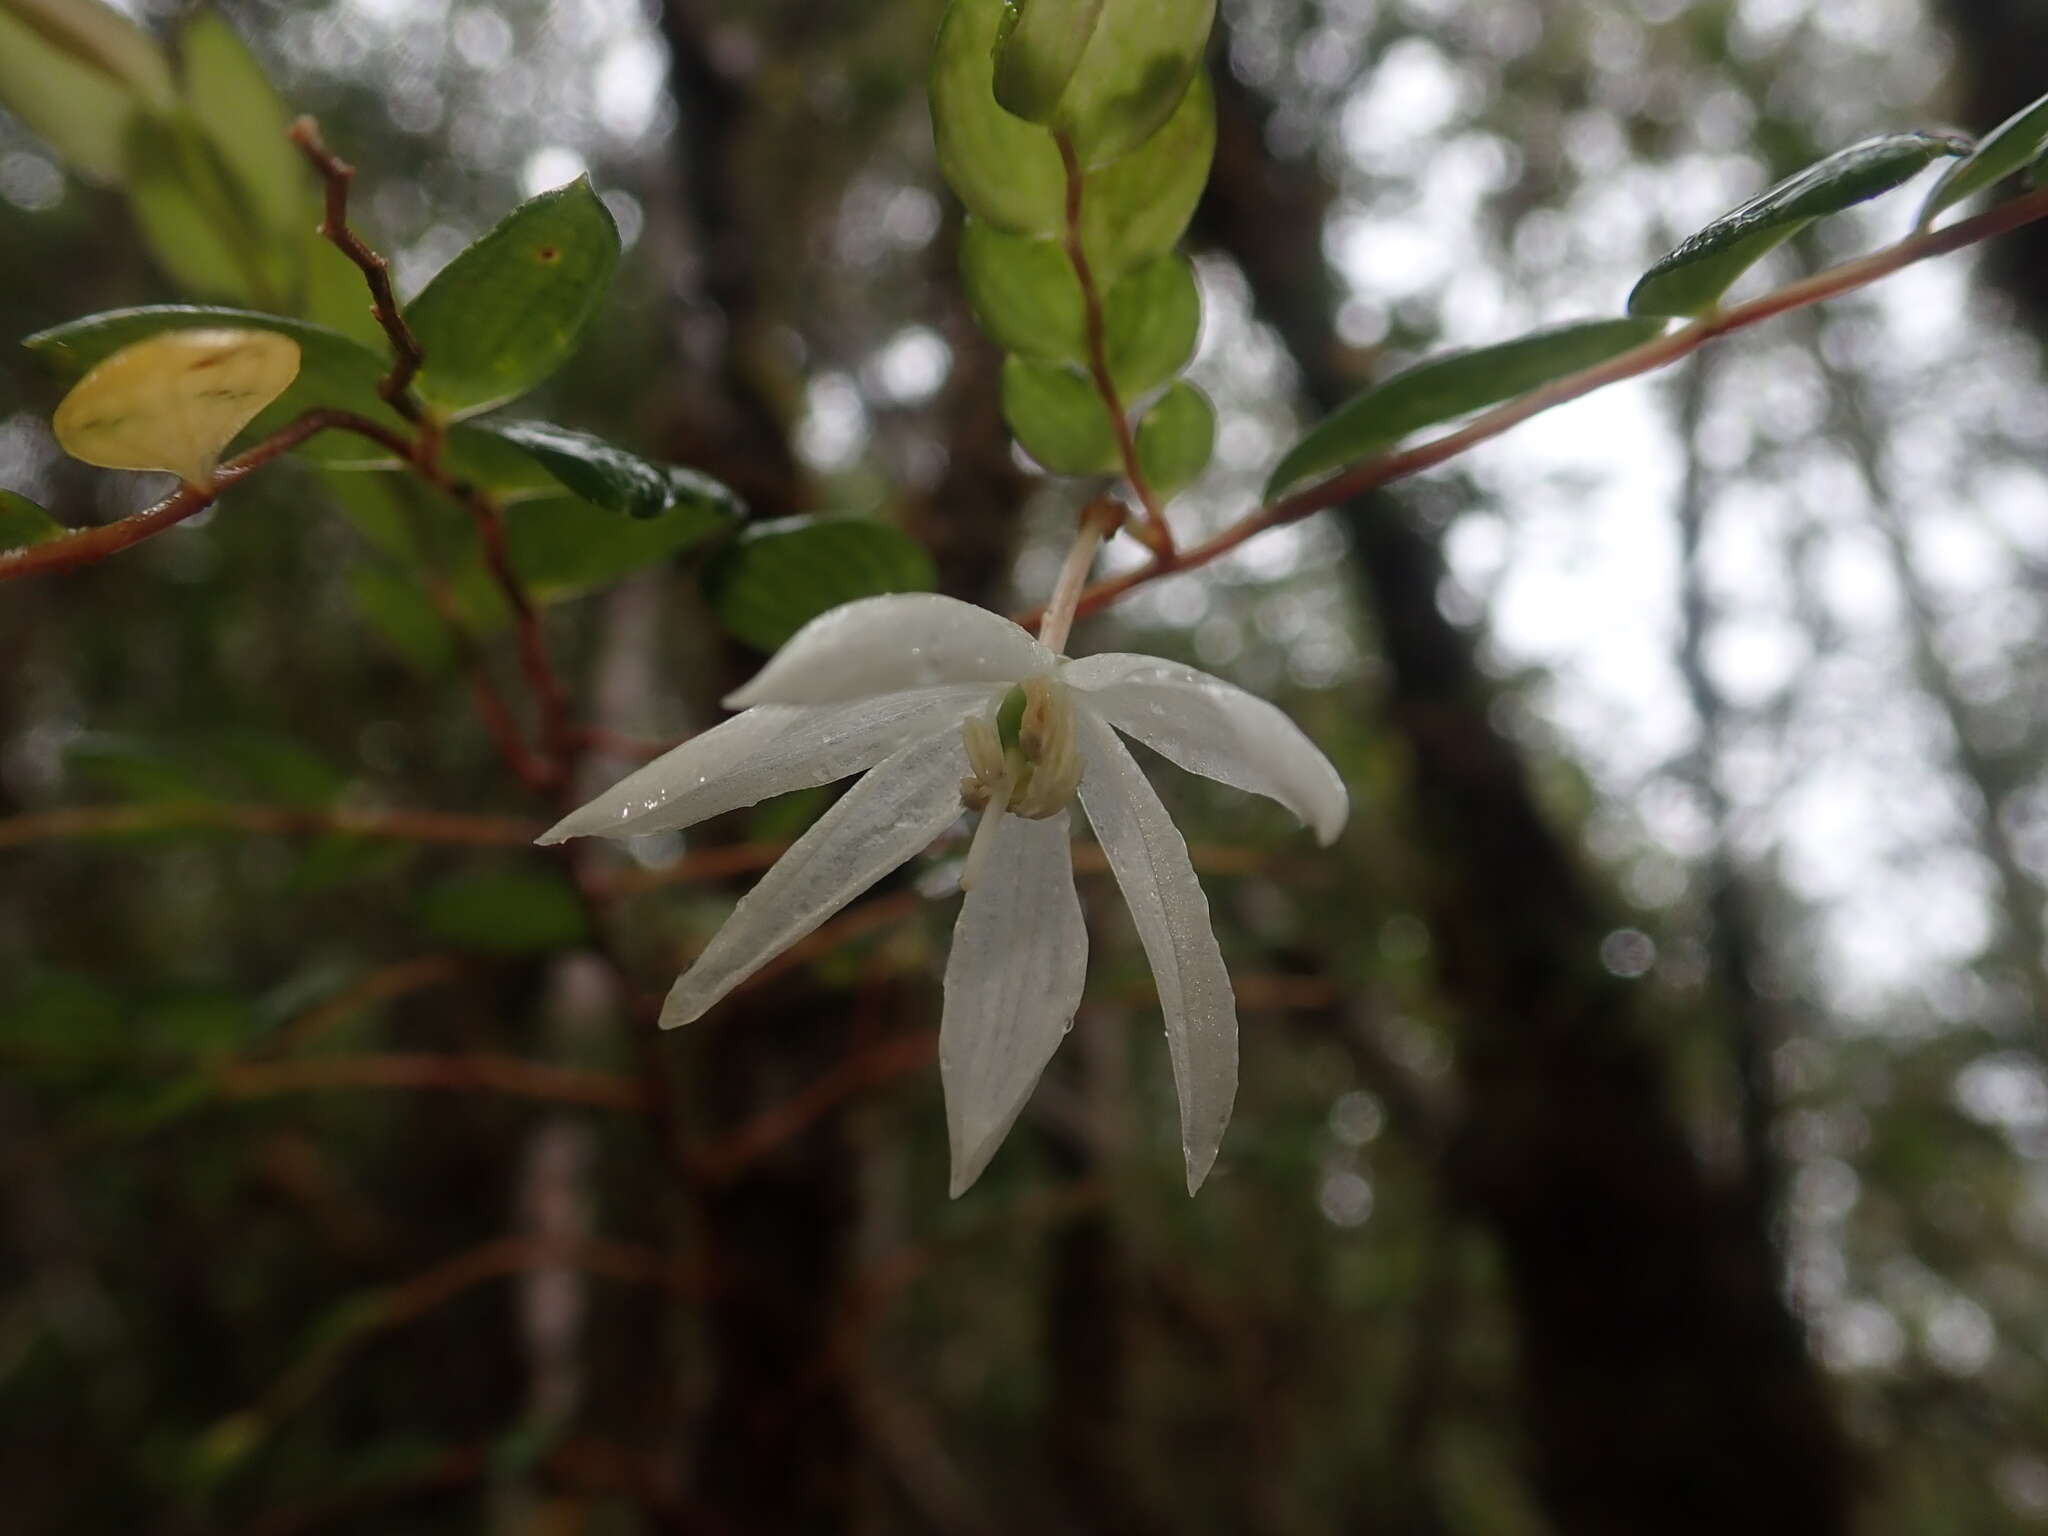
[1644, 1123]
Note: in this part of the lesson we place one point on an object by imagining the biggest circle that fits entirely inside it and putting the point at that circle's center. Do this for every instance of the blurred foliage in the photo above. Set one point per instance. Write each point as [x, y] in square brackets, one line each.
[245, 1290]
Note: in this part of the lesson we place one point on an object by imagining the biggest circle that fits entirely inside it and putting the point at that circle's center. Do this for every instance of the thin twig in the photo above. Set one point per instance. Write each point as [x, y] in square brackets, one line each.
[475, 1072]
[1153, 530]
[284, 820]
[335, 175]
[87, 545]
[1651, 355]
[891, 1058]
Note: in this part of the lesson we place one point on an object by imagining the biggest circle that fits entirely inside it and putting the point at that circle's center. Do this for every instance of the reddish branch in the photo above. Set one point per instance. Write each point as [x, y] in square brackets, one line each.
[335, 176]
[402, 826]
[1152, 530]
[476, 1072]
[1650, 356]
[87, 545]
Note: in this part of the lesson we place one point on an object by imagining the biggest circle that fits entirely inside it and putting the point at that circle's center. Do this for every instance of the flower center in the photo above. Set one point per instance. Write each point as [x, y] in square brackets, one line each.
[1023, 756]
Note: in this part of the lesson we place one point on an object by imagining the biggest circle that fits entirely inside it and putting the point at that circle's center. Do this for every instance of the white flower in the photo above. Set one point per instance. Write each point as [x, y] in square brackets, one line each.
[941, 704]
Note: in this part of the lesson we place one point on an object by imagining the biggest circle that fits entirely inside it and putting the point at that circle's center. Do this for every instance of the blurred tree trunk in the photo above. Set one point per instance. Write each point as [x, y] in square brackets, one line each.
[1666, 1388]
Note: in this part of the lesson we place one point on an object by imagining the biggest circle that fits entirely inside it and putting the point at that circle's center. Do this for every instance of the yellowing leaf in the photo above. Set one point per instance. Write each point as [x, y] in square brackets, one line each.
[176, 400]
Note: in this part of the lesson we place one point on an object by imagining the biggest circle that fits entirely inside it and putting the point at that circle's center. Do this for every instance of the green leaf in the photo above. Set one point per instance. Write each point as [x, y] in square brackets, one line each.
[80, 112]
[102, 39]
[1139, 207]
[399, 611]
[510, 310]
[1023, 292]
[333, 370]
[505, 913]
[1176, 438]
[1041, 48]
[2004, 150]
[136, 769]
[1151, 321]
[611, 478]
[1692, 278]
[23, 523]
[1441, 388]
[1009, 173]
[777, 577]
[1058, 417]
[1139, 61]
[1005, 169]
[196, 218]
[562, 547]
[232, 100]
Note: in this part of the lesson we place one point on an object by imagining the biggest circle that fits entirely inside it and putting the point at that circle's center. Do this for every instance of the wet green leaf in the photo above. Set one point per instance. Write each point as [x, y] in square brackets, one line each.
[1040, 49]
[1024, 292]
[611, 478]
[777, 577]
[1176, 438]
[23, 523]
[511, 309]
[1151, 322]
[1442, 388]
[2005, 149]
[1057, 417]
[505, 913]
[1692, 278]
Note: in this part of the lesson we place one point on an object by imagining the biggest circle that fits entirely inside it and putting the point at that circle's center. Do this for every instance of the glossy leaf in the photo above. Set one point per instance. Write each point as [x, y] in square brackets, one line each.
[562, 547]
[23, 523]
[174, 401]
[509, 913]
[1140, 58]
[1057, 417]
[1140, 206]
[777, 577]
[1024, 292]
[1151, 321]
[2009, 147]
[1039, 52]
[613, 479]
[1176, 438]
[80, 112]
[333, 370]
[1692, 278]
[511, 309]
[1441, 388]
[233, 102]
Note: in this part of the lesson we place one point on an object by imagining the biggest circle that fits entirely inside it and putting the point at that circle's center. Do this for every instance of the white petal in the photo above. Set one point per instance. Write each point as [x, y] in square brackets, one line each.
[886, 644]
[1013, 981]
[1215, 729]
[1150, 860]
[888, 817]
[769, 750]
